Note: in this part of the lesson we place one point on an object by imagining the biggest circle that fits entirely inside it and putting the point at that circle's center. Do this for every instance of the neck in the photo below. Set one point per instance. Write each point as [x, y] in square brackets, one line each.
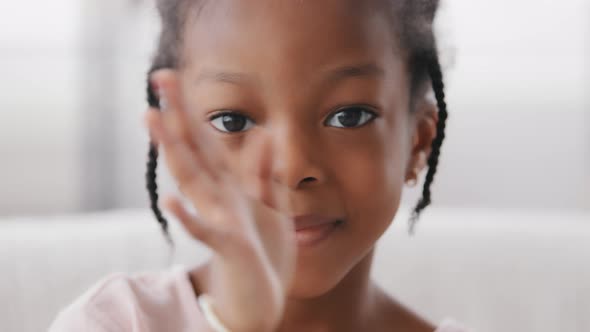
[346, 307]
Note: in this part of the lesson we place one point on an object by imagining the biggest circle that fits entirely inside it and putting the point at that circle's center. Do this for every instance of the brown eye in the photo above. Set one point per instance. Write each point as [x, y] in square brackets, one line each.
[231, 122]
[351, 117]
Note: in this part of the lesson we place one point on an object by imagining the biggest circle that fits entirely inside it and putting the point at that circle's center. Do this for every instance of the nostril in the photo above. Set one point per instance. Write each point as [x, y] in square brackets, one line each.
[309, 179]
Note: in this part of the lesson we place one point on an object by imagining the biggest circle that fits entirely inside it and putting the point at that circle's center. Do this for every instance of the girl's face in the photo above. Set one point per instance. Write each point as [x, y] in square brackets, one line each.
[327, 80]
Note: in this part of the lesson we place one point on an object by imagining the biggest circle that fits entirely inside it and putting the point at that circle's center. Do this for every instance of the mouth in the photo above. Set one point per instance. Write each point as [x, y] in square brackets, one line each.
[311, 230]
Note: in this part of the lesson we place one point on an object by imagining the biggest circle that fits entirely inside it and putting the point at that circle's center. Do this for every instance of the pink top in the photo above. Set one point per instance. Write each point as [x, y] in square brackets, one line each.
[146, 302]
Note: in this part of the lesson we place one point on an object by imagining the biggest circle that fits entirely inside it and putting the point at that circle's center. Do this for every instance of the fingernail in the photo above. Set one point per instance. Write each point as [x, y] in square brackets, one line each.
[155, 87]
[163, 101]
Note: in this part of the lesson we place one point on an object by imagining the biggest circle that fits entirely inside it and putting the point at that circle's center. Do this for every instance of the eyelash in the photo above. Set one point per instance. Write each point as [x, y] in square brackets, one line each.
[364, 109]
[224, 113]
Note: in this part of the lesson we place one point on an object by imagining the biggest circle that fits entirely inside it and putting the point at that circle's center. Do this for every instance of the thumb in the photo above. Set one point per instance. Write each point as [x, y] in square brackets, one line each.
[194, 225]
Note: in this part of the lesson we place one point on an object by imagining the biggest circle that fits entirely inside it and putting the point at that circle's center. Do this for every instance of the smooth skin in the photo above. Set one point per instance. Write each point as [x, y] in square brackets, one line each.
[289, 69]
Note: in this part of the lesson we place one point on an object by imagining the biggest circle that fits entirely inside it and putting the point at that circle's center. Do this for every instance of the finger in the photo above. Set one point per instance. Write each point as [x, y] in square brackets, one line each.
[169, 94]
[249, 179]
[177, 119]
[264, 170]
[153, 123]
[168, 89]
[271, 192]
[281, 194]
[146, 123]
[215, 151]
[192, 180]
[195, 226]
[176, 126]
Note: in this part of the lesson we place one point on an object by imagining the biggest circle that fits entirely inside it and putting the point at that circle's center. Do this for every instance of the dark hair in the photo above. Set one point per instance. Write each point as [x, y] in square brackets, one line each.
[415, 32]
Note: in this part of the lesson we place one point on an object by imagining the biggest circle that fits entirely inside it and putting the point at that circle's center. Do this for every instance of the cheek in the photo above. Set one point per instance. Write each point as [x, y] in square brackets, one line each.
[372, 178]
[374, 190]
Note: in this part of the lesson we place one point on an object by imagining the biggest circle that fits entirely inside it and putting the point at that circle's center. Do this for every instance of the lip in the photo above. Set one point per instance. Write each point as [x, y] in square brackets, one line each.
[312, 229]
[312, 220]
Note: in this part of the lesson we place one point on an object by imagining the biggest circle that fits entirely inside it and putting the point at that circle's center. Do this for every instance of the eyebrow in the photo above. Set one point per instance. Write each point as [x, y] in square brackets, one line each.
[223, 77]
[331, 76]
[362, 70]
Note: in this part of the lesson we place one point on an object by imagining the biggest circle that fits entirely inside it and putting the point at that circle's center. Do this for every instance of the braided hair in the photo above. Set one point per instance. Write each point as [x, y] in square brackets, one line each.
[414, 27]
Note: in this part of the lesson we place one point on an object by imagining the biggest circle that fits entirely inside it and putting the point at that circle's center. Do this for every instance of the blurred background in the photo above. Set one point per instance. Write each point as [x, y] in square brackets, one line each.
[503, 248]
[72, 140]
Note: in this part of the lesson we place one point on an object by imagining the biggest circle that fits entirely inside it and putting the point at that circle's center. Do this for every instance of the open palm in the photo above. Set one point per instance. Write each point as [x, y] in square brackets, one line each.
[248, 227]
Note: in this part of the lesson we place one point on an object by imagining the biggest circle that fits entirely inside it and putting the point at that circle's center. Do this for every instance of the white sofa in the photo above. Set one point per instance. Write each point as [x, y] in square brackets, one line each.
[493, 270]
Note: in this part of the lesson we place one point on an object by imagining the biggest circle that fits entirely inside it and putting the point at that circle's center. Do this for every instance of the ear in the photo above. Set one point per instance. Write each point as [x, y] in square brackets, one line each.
[425, 120]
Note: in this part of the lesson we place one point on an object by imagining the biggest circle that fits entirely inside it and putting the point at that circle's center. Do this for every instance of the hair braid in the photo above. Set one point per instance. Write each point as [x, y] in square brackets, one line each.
[152, 165]
[436, 77]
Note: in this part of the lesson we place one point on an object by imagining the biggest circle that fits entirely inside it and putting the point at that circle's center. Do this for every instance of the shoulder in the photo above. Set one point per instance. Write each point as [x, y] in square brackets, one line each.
[92, 310]
[402, 317]
[394, 314]
[122, 302]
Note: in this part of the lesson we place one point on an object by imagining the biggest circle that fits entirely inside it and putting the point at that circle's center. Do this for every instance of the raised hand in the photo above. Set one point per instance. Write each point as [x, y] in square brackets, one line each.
[244, 220]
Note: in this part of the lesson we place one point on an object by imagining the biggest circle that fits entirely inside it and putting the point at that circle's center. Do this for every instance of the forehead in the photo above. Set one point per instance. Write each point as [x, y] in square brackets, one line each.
[288, 34]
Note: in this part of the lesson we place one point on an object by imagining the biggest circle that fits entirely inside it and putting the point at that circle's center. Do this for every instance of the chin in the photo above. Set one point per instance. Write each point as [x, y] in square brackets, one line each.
[311, 286]
[316, 277]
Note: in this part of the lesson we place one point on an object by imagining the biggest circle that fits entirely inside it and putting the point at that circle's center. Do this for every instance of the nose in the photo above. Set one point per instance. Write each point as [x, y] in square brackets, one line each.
[298, 159]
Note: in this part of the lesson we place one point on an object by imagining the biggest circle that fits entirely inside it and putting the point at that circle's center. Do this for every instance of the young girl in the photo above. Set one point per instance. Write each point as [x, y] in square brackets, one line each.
[291, 126]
